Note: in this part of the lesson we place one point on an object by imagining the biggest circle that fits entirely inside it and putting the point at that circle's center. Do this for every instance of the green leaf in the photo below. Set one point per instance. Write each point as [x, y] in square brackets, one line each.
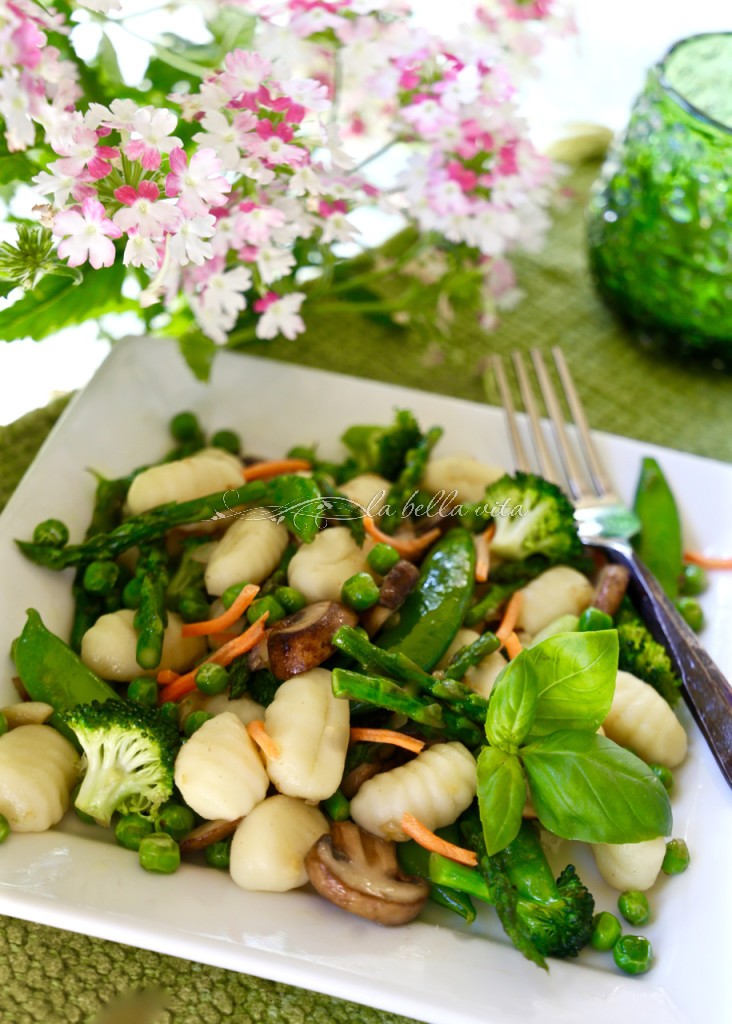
[198, 351]
[57, 302]
[512, 706]
[584, 786]
[501, 797]
[232, 29]
[575, 675]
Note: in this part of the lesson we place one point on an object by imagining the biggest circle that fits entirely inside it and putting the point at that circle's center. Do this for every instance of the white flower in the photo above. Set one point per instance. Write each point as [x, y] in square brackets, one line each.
[274, 263]
[221, 136]
[101, 6]
[338, 228]
[282, 317]
[307, 92]
[141, 252]
[189, 245]
[224, 291]
[57, 184]
[14, 109]
[255, 169]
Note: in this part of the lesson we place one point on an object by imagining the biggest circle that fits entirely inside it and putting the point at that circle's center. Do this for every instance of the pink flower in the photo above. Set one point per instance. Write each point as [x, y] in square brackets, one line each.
[270, 144]
[152, 129]
[88, 235]
[280, 315]
[82, 151]
[28, 42]
[245, 72]
[199, 184]
[255, 224]
[144, 215]
[466, 179]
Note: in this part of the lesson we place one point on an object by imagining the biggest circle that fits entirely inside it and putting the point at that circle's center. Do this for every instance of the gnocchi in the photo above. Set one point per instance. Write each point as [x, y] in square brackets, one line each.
[38, 769]
[218, 770]
[369, 491]
[320, 569]
[248, 552]
[482, 676]
[109, 647]
[630, 865]
[436, 787]
[558, 591]
[641, 719]
[269, 847]
[311, 727]
[206, 472]
[461, 476]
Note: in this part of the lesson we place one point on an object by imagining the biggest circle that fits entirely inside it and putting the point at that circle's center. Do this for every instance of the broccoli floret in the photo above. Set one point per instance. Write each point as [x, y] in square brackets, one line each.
[640, 654]
[383, 450]
[562, 925]
[129, 754]
[532, 517]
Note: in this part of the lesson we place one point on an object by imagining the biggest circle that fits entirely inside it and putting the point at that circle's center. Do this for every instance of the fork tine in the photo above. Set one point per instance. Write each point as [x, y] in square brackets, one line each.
[519, 451]
[569, 461]
[599, 478]
[547, 467]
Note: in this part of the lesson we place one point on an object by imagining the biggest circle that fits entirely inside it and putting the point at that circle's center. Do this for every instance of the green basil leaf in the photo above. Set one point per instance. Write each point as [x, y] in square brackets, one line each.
[512, 706]
[576, 675]
[501, 797]
[584, 786]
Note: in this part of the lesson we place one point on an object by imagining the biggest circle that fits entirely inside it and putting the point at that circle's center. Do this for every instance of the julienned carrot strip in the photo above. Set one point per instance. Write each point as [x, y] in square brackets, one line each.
[227, 618]
[510, 616]
[429, 841]
[223, 656]
[512, 646]
[483, 553]
[406, 546]
[397, 739]
[265, 470]
[707, 561]
[263, 740]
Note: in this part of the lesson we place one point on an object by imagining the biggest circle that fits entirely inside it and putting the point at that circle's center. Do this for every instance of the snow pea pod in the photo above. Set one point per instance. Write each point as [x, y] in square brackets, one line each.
[298, 501]
[659, 544]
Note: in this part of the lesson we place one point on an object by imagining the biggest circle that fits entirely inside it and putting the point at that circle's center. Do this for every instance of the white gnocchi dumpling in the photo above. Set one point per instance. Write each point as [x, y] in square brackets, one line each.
[311, 728]
[436, 787]
[460, 475]
[564, 624]
[109, 647]
[368, 490]
[248, 552]
[558, 591]
[245, 709]
[269, 847]
[640, 719]
[482, 676]
[218, 770]
[627, 866]
[206, 472]
[38, 769]
[320, 569]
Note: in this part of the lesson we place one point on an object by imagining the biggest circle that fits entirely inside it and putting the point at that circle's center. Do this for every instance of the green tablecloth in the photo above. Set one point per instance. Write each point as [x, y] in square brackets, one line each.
[50, 976]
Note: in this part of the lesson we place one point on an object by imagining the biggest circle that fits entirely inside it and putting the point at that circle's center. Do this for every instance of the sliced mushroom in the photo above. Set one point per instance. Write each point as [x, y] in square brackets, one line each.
[612, 582]
[360, 873]
[258, 657]
[303, 641]
[397, 584]
[208, 833]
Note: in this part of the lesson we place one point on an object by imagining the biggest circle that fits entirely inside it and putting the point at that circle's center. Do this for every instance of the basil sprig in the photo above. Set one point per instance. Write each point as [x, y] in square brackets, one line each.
[542, 721]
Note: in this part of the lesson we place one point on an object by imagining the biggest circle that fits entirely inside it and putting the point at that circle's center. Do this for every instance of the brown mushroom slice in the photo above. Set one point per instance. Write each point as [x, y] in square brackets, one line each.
[360, 873]
[612, 582]
[208, 833]
[303, 641]
[397, 584]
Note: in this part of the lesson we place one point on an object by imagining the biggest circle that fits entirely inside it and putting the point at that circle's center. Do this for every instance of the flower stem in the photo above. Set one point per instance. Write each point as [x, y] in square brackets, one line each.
[375, 155]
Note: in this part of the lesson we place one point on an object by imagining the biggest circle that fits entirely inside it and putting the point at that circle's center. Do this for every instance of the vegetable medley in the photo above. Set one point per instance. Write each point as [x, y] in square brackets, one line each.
[393, 677]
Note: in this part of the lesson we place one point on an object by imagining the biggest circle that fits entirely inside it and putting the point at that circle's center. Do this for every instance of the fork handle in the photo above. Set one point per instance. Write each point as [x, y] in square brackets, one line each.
[706, 690]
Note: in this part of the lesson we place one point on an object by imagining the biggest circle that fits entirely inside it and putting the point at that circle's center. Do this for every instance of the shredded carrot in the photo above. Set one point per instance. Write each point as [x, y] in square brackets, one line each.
[483, 553]
[167, 675]
[397, 739]
[510, 616]
[707, 561]
[223, 656]
[512, 646]
[265, 470]
[263, 740]
[407, 547]
[227, 618]
[221, 638]
[429, 841]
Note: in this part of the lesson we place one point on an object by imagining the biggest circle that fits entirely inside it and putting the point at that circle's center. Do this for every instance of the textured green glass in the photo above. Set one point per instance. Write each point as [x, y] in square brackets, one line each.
[660, 215]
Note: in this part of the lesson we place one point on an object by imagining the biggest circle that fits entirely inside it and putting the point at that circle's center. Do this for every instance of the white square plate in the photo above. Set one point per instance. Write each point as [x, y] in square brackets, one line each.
[433, 970]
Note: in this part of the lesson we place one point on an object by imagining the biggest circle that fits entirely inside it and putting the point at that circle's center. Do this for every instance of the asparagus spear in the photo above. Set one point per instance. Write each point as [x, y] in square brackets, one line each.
[151, 618]
[471, 655]
[415, 464]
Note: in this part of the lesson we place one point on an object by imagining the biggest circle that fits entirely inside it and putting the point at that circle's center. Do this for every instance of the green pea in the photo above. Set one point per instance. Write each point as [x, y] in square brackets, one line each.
[231, 593]
[212, 679]
[664, 774]
[360, 592]
[3, 724]
[194, 722]
[101, 577]
[184, 427]
[634, 906]
[606, 930]
[81, 815]
[193, 609]
[691, 612]
[218, 855]
[4, 828]
[131, 594]
[633, 954]
[176, 819]
[382, 558]
[265, 604]
[229, 440]
[159, 852]
[131, 829]
[693, 581]
[337, 807]
[143, 690]
[51, 532]
[171, 711]
[593, 619]
[290, 599]
[676, 859]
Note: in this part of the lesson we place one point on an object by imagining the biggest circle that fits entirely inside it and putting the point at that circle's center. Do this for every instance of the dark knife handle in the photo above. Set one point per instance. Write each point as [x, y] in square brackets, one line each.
[706, 690]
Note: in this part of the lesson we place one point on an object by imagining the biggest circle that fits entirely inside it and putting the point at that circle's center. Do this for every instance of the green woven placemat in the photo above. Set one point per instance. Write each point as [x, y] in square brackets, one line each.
[50, 976]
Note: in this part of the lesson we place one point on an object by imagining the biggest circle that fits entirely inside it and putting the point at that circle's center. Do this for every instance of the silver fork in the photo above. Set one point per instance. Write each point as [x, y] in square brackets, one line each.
[605, 522]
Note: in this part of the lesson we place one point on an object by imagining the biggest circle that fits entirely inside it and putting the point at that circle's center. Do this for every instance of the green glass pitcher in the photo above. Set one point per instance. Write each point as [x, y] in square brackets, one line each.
[660, 215]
